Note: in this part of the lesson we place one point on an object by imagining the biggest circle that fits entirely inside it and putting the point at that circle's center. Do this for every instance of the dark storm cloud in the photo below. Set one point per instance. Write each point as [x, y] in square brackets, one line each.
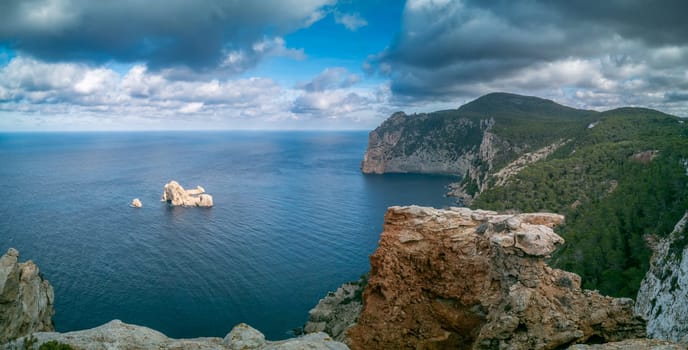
[197, 34]
[464, 48]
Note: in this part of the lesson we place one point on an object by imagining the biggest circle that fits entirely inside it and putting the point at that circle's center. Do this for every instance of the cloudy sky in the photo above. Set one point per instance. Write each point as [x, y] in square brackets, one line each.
[326, 64]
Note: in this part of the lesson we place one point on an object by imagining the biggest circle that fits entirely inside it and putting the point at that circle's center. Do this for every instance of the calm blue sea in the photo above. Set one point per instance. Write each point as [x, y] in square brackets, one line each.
[293, 219]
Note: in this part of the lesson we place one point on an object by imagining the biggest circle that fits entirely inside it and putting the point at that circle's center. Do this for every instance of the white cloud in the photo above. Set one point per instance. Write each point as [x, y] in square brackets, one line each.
[352, 21]
[36, 94]
[331, 78]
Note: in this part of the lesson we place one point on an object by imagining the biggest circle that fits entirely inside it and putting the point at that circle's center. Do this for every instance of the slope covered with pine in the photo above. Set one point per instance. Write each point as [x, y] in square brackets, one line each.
[619, 176]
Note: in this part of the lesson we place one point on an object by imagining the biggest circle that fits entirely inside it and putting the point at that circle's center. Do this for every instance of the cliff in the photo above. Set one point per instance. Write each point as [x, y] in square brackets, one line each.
[119, 335]
[174, 194]
[26, 299]
[473, 141]
[525, 154]
[664, 290]
[465, 279]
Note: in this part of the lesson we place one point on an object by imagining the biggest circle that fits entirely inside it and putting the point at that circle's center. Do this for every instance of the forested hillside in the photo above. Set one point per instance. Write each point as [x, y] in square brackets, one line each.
[621, 178]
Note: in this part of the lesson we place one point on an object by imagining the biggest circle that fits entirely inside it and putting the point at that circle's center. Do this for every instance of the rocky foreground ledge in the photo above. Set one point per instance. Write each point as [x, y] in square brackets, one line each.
[119, 335]
[474, 279]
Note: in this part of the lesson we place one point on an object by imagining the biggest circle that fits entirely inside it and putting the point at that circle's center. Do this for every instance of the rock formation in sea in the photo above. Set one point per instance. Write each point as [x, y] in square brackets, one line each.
[337, 311]
[663, 295]
[474, 279]
[119, 335]
[26, 299]
[136, 203]
[175, 195]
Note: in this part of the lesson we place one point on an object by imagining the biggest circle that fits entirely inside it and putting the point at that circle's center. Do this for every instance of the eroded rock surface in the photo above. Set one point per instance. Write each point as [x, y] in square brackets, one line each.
[175, 194]
[663, 295]
[632, 344]
[464, 279]
[337, 311]
[26, 299]
[119, 335]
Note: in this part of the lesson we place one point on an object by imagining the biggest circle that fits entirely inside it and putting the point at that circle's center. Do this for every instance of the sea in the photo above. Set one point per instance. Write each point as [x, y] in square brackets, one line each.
[294, 218]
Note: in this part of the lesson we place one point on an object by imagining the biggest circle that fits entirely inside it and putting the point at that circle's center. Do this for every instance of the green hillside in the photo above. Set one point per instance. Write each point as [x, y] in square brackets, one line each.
[616, 182]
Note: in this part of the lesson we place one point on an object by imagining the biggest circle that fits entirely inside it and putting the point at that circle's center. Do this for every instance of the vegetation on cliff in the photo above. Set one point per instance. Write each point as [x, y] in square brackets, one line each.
[619, 176]
[616, 182]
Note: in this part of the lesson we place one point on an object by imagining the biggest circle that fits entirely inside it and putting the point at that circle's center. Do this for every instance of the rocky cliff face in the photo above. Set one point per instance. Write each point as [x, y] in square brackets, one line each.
[337, 311]
[486, 141]
[463, 279]
[26, 299]
[664, 290]
[174, 194]
[119, 335]
[403, 144]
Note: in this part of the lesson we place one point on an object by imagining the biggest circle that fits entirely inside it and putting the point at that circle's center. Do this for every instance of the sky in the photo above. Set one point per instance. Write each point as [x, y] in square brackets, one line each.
[326, 64]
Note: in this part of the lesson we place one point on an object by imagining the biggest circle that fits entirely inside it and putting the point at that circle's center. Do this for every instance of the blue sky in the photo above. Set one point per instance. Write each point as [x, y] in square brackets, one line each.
[325, 64]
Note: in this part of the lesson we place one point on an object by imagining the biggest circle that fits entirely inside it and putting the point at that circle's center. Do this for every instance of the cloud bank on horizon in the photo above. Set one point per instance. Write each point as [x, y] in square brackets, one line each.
[326, 64]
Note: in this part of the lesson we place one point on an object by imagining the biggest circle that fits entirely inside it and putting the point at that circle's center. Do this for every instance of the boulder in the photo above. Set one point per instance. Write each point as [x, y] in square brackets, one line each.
[136, 203]
[474, 279]
[26, 299]
[174, 194]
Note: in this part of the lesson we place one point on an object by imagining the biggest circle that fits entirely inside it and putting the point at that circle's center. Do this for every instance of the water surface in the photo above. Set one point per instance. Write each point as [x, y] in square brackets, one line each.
[293, 219]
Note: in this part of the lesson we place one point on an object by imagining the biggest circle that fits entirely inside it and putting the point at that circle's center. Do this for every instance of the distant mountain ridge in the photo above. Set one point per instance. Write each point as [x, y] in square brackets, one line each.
[618, 176]
[473, 141]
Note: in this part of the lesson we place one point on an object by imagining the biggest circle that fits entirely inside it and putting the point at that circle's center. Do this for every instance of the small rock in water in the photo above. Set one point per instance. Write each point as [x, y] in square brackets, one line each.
[136, 203]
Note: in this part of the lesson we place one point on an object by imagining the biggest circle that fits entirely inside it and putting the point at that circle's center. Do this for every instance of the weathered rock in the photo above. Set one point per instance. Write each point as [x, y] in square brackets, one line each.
[338, 311]
[26, 299]
[175, 195]
[477, 280]
[631, 344]
[398, 146]
[119, 335]
[136, 203]
[663, 295]
[244, 337]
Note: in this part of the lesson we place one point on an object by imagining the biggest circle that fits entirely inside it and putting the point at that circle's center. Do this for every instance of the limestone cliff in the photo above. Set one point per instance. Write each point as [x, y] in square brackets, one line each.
[664, 290]
[402, 145]
[496, 131]
[26, 299]
[463, 279]
[119, 335]
[174, 194]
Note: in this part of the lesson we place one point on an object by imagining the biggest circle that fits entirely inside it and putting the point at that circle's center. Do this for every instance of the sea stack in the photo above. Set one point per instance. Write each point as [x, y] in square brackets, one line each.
[136, 203]
[175, 195]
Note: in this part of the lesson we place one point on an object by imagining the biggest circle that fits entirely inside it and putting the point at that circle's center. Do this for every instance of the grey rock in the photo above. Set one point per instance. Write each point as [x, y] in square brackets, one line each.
[663, 292]
[244, 337]
[119, 335]
[26, 299]
[338, 311]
